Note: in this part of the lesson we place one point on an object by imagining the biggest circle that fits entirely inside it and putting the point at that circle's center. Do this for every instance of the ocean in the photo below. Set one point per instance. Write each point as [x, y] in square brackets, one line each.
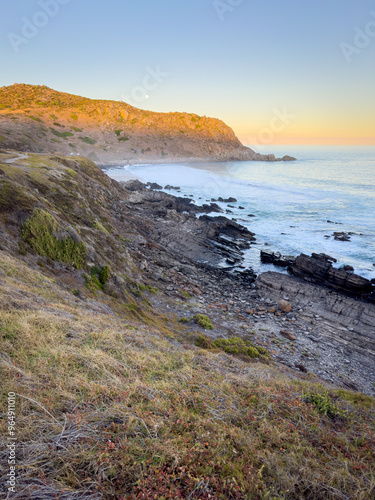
[287, 204]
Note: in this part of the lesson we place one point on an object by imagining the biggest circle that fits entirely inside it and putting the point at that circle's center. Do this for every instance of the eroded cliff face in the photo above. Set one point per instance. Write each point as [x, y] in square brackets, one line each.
[42, 120]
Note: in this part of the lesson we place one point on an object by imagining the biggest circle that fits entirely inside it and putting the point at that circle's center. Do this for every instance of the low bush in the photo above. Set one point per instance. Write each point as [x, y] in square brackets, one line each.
[39, 231]
[203, 321]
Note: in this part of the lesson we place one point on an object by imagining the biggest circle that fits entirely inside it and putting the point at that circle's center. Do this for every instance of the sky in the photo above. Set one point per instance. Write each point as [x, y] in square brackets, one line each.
[277, 72]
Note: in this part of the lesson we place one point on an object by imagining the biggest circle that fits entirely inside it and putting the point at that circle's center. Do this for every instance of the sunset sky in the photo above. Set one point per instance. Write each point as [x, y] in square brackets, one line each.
[277, 72]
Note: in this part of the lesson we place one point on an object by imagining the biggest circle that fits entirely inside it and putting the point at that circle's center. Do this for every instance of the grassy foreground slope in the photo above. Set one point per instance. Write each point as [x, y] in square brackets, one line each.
[113, 401]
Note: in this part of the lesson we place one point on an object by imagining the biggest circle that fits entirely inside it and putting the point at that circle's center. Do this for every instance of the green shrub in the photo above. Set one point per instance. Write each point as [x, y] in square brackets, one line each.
[104, 275]
[39, 232]
[98, 278]
[35, 118]
[88, 140]
[123, 138]
[184, 320]
[236, 345]
[203, 321]
[324, 404]
[118, 132]
[74, 117]
[61, 134]
[203, 341]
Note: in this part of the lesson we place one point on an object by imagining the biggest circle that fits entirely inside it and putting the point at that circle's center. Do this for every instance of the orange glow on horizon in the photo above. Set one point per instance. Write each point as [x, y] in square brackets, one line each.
[298, 140]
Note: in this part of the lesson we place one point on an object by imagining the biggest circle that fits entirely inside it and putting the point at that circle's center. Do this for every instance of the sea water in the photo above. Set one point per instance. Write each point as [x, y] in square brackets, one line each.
[287, 204]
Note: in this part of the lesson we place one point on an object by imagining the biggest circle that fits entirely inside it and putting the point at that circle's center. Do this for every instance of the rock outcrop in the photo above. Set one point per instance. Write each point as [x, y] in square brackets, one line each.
[318, 269]
[334, 320]
[207, 240]
[275, 258]
[41, 120]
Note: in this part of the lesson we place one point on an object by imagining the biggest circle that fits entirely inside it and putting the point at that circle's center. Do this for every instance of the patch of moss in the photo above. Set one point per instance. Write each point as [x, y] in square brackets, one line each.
[74, 117]
[233, 345]
[39, 231]
[203, 321]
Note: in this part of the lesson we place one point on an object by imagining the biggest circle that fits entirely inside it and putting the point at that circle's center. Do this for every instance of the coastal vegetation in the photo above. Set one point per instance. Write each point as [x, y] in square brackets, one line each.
[117, 398]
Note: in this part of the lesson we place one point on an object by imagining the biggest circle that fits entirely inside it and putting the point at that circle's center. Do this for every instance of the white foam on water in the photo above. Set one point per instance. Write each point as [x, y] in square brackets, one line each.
[294, 198]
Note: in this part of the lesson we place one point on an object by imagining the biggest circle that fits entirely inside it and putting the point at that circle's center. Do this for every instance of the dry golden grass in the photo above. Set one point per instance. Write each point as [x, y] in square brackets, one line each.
[108, 407]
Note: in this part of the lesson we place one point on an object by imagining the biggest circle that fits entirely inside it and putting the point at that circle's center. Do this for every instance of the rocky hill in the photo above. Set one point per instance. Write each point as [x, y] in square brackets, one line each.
[41, 120]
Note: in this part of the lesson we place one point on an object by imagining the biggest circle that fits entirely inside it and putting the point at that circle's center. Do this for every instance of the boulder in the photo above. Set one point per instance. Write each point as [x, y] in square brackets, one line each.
[318, 269]
[285, 306]
[275, 258]
[154, 185]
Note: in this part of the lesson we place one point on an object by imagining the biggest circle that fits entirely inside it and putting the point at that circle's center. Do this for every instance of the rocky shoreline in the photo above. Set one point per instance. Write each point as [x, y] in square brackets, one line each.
[315, 328]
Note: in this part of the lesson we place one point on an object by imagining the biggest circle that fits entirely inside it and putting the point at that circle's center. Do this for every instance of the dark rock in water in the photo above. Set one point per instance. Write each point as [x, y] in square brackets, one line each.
[288, 158]
[231, 206]
[341, 236]
[227, 200]
[154, 185]
[267, 256]
[241, 208]
[270, 257]
[228, 211]
[324, 257]
[348, 269]
[175, 188]
[252, 215]
[318, 269]
[212, 207]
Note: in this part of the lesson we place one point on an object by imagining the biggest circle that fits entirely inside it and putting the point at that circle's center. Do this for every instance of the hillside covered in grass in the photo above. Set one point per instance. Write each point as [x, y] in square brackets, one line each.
[121, 392]
[42, 120]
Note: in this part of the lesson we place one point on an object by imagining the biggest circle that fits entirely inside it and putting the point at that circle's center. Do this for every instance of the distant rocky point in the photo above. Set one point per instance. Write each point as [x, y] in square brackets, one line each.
[41, 120]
